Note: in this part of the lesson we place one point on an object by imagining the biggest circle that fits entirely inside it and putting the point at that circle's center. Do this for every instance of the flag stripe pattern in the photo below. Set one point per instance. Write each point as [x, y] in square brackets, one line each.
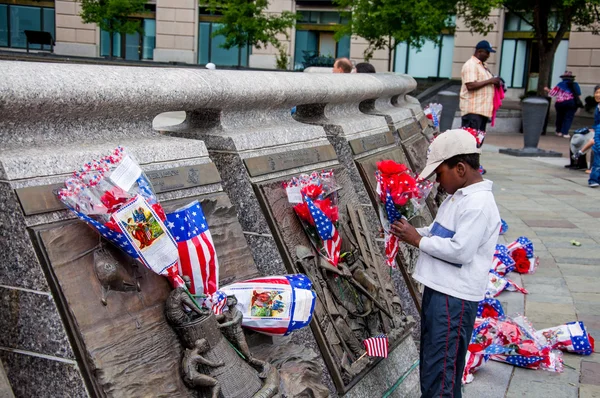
[377, 346]
[332, 243]
[197, 256]
[502, 262]
[392, 243]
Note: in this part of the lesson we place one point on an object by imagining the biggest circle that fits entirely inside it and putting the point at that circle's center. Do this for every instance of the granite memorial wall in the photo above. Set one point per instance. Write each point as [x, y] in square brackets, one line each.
[66, 332]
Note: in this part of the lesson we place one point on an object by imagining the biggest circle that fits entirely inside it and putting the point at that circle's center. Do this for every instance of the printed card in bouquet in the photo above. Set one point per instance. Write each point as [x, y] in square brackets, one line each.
[148, 235]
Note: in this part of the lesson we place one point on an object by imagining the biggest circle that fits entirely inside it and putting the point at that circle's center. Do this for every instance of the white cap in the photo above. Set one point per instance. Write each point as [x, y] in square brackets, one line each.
[210, 65]
[447, 145]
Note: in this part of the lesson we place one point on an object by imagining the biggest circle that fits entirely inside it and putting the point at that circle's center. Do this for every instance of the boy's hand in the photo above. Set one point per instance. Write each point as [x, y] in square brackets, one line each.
[406, 232]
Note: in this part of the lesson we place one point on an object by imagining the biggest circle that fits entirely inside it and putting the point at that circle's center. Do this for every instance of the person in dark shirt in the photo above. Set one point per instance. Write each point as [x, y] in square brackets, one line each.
[365, 67]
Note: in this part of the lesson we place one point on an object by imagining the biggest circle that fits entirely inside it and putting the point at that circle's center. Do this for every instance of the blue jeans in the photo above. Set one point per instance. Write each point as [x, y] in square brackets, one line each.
[595, 175]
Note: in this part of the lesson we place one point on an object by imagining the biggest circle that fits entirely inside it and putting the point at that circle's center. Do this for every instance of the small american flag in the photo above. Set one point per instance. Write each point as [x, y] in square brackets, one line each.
[218, 302]
[327, 232]
[392, 243]
[377, 346]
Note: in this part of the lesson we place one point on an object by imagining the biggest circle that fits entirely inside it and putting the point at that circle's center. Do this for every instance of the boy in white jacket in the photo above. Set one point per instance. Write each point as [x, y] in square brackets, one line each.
[456, 254]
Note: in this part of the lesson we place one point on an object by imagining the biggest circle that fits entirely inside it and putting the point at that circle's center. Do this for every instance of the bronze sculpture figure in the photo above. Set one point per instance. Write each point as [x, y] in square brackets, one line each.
[179, 306]
[230, 324]
[189, 366]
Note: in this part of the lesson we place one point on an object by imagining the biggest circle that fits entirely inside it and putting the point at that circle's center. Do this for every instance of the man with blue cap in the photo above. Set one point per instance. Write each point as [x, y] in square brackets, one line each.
[477, 91]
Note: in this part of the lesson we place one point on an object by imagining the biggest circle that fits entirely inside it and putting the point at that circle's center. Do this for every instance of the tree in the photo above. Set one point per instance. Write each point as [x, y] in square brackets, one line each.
[550, 20]
[113, 16]
[385, 23]
[246, 23]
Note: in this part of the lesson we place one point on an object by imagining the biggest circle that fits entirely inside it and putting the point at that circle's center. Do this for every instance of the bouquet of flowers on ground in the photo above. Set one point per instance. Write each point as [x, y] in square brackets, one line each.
[316, 205]
[571, 337]
[521, 251]
[402, 195]
[114, 196]
[497, 284]
[512, 341]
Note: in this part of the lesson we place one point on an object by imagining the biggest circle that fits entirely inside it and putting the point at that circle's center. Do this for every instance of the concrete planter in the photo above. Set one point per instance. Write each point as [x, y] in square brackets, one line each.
[534, 110]
[449, 101]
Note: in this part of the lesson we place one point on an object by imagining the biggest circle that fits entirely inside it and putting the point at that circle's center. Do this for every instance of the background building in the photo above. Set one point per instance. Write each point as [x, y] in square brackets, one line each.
[180, 31]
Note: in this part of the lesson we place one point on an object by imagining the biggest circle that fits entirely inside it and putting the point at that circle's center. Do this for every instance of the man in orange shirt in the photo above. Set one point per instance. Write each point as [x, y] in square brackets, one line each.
[477, 91]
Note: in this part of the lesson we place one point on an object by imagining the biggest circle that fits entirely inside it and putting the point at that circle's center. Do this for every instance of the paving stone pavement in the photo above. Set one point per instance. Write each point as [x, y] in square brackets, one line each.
[550, 205]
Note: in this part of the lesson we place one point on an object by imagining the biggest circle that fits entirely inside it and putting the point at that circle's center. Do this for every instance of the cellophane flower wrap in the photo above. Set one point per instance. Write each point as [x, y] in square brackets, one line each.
[114, 196]
[315, 202]
[401, 195]
[433, 112]
[509, 340]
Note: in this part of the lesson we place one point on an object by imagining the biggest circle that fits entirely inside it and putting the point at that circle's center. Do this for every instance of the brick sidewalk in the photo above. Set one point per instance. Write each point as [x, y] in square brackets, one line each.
[551, 206]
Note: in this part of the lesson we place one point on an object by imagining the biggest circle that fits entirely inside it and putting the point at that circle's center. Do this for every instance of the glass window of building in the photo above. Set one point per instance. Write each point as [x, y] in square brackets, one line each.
[431, 60]
[136, 46]
[519, 62]
[16, 19]
[315, 43]
[210, 50]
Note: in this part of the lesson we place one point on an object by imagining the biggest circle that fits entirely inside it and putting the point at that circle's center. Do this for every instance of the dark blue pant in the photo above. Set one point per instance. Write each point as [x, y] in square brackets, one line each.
[446, 328]
[595, 174]
[565, 113]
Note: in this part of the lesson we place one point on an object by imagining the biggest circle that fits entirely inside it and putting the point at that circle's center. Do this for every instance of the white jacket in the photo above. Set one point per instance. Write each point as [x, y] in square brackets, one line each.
[458, 248]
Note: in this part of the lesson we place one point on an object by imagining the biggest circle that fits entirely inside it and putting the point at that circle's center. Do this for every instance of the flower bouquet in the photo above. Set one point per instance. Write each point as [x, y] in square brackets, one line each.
[521, 251]
[316, 205]
[571, 337]
[114, 196]
[512, 341]
[402, 195]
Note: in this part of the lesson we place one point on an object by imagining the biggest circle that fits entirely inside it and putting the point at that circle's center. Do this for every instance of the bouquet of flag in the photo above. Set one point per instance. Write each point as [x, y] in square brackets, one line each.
[402, 195]
[512, 341]
[197, 255]
[316, 204]
[521, 252]
[571, 337]
[274, 305]
[114, 196]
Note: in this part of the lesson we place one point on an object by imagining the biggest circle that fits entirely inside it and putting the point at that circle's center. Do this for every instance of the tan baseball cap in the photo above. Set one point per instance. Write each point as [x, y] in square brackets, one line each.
[446, 145]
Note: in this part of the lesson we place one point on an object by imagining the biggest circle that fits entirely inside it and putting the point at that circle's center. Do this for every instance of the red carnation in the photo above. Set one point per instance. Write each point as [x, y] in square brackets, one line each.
[331, 212]
[303, 212]
[312, 191]
[401, 199]
[159, 211]
[114, 199]
[522, 263]
[489, 312]
[389, 167]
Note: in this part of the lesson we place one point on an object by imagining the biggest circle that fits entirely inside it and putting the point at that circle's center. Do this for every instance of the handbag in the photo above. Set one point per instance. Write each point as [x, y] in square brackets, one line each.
[578, 102]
